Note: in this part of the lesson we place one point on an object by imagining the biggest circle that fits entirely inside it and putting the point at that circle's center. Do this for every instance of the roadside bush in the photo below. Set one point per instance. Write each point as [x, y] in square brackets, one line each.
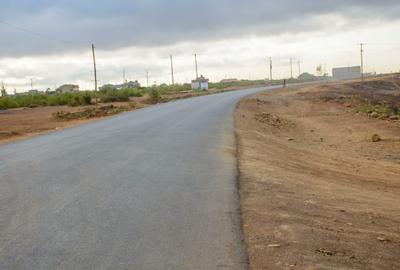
[155, 96]
[7, 103]
[42, 100]
[114, 96]
[133, 92]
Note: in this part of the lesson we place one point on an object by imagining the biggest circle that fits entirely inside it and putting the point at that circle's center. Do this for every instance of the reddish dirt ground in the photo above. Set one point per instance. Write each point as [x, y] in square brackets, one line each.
[316, 191]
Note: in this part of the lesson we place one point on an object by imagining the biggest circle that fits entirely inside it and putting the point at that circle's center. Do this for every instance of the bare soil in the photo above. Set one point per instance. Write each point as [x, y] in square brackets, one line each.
[23, 123]
[316, 191]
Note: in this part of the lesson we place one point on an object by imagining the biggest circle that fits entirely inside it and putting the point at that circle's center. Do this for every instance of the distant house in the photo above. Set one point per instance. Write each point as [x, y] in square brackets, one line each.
[229, 80]
[33, 92]
[130, 84]
[343, 73]
[200, 84]
[68, 88]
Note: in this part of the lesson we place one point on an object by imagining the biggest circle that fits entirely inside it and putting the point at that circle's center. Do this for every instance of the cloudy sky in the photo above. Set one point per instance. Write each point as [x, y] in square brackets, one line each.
[50, 40]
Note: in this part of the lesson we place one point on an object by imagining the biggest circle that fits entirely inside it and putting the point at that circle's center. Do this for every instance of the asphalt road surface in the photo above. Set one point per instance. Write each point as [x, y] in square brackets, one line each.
[151, 189]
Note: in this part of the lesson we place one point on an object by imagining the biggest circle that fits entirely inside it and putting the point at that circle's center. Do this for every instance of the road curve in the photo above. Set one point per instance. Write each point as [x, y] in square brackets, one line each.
[150, 189]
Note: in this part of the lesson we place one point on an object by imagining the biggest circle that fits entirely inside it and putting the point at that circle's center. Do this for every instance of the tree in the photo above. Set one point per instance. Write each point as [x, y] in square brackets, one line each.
[3, 90]
[319, 70]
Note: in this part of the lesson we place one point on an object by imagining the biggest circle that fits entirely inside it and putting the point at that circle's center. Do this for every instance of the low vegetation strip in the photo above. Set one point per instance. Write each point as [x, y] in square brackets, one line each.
[318, 191]
[93, 112]
[109, 95]
[72, 99]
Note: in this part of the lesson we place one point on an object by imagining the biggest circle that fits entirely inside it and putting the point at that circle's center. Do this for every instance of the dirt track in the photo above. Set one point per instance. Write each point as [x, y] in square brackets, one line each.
[316, 192]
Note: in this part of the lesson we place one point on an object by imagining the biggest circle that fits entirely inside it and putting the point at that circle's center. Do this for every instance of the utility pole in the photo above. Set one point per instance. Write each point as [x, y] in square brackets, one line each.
[197, 70]
[95, 70]
[172, 70]
[124, 76]
[299, 63]
[270, 68]
[362, 60]
[147, 77]
[31, 84]
[291, 68]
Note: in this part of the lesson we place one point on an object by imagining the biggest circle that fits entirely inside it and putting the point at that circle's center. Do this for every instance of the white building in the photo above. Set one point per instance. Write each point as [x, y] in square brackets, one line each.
[343, 73]
[200, 84]
[67, 88]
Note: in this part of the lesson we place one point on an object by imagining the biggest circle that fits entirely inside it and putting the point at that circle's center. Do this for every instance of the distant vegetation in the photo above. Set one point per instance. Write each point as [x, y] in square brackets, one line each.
[111, 95]
[70, 99]
[41, 100]
[241, 83]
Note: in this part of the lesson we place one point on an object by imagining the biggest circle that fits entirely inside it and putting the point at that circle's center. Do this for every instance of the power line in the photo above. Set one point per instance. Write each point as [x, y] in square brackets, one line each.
[28, 31]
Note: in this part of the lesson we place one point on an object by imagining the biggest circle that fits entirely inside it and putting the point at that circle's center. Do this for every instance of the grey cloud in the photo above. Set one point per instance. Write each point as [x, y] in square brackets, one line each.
[117, 24]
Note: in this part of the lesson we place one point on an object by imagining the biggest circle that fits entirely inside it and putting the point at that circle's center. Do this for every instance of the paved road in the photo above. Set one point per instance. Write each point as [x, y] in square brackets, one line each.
[150, 189]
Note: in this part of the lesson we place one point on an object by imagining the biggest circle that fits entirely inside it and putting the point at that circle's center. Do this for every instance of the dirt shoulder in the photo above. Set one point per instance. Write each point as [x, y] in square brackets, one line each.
[316, 191]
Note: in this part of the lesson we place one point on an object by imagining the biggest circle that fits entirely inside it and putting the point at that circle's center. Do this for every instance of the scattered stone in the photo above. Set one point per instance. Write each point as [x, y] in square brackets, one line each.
[290, 139]
[374, 115]
[325, 252]
[274, 246]
[376, 138]
[381, 239]
[394, 117]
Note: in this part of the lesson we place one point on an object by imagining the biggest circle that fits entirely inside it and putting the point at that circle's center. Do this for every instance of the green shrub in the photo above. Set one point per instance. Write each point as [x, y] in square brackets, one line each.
[114, 96]
[41, 100]
[155, 96]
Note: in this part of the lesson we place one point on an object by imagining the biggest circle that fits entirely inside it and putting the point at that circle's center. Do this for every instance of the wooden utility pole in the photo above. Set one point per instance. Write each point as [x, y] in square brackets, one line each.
[147, 77]
[31, 84]
[270, 68]
[95, 70]
[291, 67]
[197, 70]
[299, 63]
[124, 77]
[362, 60]
[172, 70]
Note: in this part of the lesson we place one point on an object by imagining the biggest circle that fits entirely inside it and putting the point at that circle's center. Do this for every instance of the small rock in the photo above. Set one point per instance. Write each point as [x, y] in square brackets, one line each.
[290, 139]
[274, 246]
[325, 252]
[382, 239]
[376, 138]
[394, 117]
[374, 115]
